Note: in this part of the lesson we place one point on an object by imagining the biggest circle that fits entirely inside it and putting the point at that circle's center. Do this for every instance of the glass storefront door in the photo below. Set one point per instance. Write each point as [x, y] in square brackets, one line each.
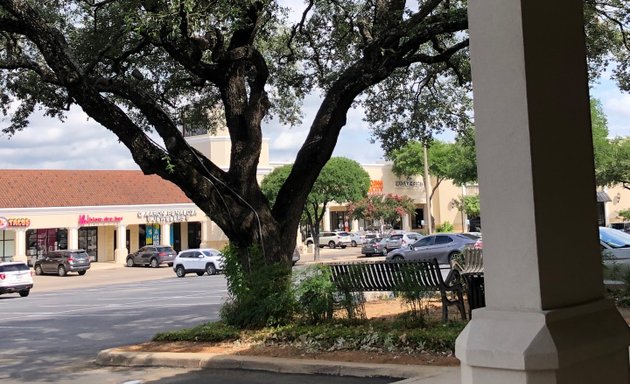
[88, 241]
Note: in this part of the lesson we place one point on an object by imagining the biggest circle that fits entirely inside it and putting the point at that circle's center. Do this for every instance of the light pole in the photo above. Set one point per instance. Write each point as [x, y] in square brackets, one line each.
[427, 188]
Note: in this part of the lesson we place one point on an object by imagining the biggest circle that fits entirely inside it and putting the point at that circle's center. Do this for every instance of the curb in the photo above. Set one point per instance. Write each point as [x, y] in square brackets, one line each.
[113, 357]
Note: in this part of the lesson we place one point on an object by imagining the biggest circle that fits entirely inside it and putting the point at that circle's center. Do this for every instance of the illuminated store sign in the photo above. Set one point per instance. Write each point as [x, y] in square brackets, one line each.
[166, 216]
[89, 220]
[14, 222]
[376, 186]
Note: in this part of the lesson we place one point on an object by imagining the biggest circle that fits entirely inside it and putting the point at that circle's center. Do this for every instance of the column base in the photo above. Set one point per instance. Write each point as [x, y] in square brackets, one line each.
[120, 255]
[582, 344]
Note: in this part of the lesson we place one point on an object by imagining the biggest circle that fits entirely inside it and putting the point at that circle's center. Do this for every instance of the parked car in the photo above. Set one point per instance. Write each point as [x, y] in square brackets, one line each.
[331, 239]
[199, 261]
[15, 277]
[399, 240]
[152, 255]
[442, 246]
[360, 238]
[374, 246]
[63, 261]
[615, 247]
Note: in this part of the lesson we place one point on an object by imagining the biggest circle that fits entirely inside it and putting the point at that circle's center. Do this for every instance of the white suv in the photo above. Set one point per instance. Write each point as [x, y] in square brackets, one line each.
[15, 277]
[199, 261]
[332, 239]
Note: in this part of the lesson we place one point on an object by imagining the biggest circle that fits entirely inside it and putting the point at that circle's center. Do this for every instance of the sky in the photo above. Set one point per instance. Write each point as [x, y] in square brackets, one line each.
[81, 143]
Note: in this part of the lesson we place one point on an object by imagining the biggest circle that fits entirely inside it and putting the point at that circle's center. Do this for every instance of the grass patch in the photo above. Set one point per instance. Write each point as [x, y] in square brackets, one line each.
[399, 334]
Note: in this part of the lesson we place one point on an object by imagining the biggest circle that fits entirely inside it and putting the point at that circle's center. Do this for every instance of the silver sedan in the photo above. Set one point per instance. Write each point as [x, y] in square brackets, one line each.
[443, 247]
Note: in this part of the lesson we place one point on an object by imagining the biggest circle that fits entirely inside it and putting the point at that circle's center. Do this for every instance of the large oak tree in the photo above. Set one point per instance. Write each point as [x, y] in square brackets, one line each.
[159, 65]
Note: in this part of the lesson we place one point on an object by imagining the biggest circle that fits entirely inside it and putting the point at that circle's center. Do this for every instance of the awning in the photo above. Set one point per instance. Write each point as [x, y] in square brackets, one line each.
[602, 197]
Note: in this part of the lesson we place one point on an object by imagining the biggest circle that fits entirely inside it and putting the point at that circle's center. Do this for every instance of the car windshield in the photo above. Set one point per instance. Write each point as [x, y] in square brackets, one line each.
[614, 238]
[208, 252]
[13, 267]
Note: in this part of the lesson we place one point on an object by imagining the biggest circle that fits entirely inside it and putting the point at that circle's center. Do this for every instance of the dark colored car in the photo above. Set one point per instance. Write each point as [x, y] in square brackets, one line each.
[373, 246]
[153, 256]
[63, 261]
[443, 247]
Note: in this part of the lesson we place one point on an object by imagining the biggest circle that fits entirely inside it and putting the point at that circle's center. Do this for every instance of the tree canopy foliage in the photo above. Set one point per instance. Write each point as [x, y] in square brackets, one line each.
[386, 209]
[454, 161]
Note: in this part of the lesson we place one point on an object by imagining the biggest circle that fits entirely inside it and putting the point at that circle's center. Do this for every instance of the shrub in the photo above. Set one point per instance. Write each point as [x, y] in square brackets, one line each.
[260, 293]
[210, 332]
[314, 292]
[445, 227]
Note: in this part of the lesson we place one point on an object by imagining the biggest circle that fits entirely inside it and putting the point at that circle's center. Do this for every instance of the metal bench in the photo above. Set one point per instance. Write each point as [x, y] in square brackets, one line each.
[470, 267]
[398, 277]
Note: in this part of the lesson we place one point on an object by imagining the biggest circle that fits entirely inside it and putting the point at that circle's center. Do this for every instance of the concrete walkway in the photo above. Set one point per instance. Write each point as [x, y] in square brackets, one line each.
[409, 374]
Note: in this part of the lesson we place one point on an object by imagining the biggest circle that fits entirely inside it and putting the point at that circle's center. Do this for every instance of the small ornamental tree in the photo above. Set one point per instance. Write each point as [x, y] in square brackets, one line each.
[342, 180]
[383, 208]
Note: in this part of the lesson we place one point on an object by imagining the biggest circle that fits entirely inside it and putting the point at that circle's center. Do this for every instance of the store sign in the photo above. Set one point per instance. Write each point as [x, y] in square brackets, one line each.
[166, 216]
[376, 186]
[89, 220]
[14, 222]
[409, 184]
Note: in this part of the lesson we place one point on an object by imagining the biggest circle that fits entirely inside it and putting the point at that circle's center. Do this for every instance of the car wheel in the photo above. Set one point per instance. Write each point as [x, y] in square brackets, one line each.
[154, 263]
[38, 270]
[180, 271]
[170, 264]
[331, 245]
[398, 258]
[130, 262]
[210, 269]
[81, 273]
[61, 271]
[353, 243]
[200, 273]
[25, 292]
[343, 246]
[384, 252]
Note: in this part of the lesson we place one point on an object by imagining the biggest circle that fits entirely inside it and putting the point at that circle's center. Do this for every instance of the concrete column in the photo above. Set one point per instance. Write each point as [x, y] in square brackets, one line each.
[121, 251]
[184, 235]
[355, 225]
[205, 234]
[546, 319]
[326, 221]
[165, 234]
[406, 222]
[73, 238]
[20, 245]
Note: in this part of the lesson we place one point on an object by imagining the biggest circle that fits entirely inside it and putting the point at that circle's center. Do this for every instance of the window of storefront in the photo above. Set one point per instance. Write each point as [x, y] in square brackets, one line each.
[88, 240]
[7, 245]
[176, 236]
[418, 218]
[340, 220]
[148, 234]
[194, 235]
[41, 241]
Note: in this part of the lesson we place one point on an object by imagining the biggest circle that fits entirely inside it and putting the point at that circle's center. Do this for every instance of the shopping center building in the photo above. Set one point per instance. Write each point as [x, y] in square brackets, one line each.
[111, 213]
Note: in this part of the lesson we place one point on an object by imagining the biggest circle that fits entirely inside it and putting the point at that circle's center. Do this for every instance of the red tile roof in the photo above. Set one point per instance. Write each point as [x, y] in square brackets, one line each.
[22, 188]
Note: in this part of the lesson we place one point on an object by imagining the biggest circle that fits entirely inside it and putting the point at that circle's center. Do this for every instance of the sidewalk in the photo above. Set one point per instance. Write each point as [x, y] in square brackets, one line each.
[409, 374]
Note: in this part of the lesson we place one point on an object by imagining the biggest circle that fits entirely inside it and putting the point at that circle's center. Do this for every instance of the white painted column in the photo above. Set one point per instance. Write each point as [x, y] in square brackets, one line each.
[165, 234]
[20, 245]
[355, 225]
[121, 251]
[406, 223]
[546, 319]
[326, 221]
[73, 238]
[184, 235]
[205, 233]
